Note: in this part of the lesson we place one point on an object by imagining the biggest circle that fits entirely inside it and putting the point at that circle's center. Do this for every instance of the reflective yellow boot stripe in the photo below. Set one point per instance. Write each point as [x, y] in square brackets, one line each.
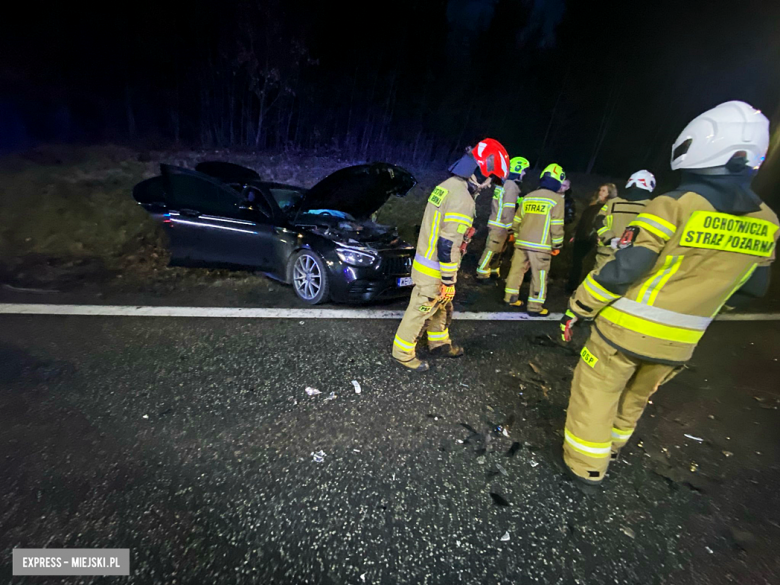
[483, 268]
[439, 335]
[620, 435]
[649, 328]
[598, 450]
[404, 345]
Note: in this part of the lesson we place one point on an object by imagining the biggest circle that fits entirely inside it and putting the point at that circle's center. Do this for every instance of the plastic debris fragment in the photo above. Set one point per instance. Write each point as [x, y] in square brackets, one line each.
[699, 439]
[312, 391]
[728, 453]
[145, 416]
[501, 469]
[363, 577]
[319, 456]
[534, 463]
[506, 537]
[628, 532]
[356, 384]
[331, 396]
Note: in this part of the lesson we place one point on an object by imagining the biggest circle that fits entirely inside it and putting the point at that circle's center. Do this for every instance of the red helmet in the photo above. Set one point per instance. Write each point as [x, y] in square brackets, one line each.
[492, 158]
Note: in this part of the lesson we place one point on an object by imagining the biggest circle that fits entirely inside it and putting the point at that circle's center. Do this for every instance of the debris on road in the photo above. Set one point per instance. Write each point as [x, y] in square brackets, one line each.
[363, 577]
[502, 470]
[331, 396]
[145, 416]
[356, 384]
[728, 453]
[537, 370]
[319, 456]
[534, 463]
[312, 391]
[628, 531]
[506, 537]
[499, 500]
[481, 460]
[699, 439]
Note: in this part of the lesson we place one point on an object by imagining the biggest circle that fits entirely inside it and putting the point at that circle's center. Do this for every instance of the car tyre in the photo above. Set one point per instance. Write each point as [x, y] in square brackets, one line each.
[309, 278]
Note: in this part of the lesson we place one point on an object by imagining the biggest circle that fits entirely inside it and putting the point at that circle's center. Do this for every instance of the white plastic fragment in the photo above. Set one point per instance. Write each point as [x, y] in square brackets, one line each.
[534, 463]
[628, 532]
[709, 550]
[363, 577]
[146, 416]
[319, 456]
[356, 384]
[331, 396]
[312, 391]
[700, 440]
[501, 469]
[505, 432]
[506, 537]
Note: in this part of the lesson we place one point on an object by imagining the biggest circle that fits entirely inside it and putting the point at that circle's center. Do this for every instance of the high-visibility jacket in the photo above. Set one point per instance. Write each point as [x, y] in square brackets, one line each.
[448, 216]
[616, 215]
[502, 208]
[538, 223]
[655, 299]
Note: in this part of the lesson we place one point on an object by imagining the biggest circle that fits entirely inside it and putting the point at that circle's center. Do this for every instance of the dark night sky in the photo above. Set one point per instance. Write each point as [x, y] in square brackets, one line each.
[406, 79]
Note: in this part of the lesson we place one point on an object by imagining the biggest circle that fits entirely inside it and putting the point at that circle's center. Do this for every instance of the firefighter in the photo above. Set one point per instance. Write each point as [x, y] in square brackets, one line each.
[444, 233]
[613, 218]
[502, 212]
[538, 228]
[689, 252]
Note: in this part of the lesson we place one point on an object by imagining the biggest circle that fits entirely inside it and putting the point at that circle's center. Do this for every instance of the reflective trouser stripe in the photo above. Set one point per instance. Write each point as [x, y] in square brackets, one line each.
[620, 435]
[587, 447]
[484, 267]
[512, 291]
[533, 245]
[653, 285]
[650, 328]
[439, 335]
[404, 345]
[542, 296]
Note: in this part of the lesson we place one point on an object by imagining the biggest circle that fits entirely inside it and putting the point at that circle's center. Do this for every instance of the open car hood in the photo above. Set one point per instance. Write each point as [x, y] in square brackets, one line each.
[359, 191]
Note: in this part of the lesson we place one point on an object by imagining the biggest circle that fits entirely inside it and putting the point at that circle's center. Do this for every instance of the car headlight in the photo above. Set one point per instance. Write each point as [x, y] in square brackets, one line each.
[355, 258]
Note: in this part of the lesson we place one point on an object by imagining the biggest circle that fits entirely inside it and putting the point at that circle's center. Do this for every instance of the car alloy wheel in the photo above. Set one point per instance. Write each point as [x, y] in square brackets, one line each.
[309, 278]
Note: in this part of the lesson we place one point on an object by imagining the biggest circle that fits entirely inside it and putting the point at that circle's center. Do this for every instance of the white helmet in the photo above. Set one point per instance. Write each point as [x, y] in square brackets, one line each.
[712, 138]
[642, 179]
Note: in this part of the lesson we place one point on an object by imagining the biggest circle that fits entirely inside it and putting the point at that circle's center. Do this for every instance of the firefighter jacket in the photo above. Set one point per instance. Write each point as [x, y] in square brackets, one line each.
[448, 216]
[502, 208]
[616, 215]
[687, 254]
[538, 223]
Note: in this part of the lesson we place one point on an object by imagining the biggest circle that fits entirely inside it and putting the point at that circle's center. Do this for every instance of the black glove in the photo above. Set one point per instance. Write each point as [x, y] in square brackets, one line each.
[567, 322]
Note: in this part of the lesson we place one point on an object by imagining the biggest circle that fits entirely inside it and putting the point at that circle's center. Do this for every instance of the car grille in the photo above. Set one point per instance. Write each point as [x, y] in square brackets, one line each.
[397, 265]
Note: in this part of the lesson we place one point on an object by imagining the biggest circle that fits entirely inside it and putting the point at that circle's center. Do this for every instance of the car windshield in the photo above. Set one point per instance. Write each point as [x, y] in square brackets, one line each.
[286, 197]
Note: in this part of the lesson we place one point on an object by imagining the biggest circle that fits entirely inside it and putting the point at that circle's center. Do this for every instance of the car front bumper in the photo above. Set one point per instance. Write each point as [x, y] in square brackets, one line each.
[363, 284]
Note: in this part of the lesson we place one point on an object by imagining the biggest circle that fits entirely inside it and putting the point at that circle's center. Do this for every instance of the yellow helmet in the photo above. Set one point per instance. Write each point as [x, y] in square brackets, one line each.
[554, 171]
[518, 165]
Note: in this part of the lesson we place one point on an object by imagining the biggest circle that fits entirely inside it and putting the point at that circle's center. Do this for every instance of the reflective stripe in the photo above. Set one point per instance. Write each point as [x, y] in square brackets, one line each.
[589, 448]
[427, 267]
[546, 231]
[663, 316]
[448, 266]
[655, 225]
[740, 282]
[597, 290]
[621, 435]
[512, 291]
[458, 218]
[405, 345]
[653, 285]
[439, 335]
[434, 234]
[557, 222]
[482, 267]
[650, 328]
[557, 240]
[544, 199]
[498, 224]
[542, 296]
[602, 230]
[534, 245]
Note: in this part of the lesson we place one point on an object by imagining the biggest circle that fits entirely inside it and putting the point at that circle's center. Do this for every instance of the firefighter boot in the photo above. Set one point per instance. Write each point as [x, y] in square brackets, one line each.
[450, 350]
[414, 364]
[514, 301]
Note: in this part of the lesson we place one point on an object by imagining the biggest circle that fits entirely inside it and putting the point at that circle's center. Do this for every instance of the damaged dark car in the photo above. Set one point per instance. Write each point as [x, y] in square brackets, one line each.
[323, 241]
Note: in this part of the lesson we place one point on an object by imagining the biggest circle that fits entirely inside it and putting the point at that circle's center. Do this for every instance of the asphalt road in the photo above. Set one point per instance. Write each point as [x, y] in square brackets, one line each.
[190, 441]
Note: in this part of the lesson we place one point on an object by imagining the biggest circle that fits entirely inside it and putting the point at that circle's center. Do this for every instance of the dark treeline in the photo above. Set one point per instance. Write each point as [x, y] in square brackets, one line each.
[597, 86]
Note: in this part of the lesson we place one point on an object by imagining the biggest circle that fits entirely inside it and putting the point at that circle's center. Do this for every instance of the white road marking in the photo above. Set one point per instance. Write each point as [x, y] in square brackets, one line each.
[257, 313]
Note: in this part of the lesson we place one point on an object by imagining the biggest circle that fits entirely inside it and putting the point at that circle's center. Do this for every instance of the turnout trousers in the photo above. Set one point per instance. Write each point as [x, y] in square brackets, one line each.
[491, 258]
[424, 314]
[539, 263]
[608, 395]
